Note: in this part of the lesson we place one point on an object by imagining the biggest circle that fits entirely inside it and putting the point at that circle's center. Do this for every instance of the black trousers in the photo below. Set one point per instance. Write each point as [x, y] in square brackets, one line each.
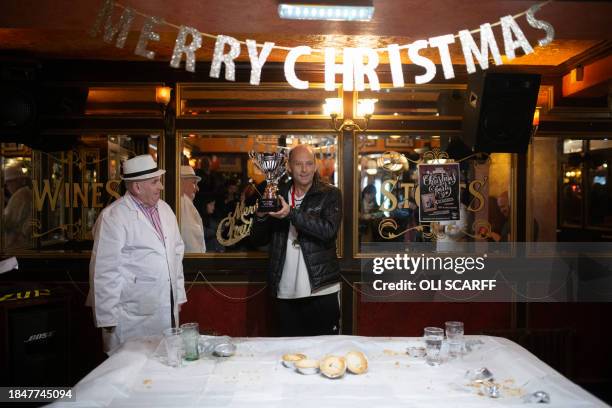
[310, 316]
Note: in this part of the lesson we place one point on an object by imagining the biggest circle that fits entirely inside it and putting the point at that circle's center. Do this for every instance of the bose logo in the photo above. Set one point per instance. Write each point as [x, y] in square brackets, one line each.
[40, 336]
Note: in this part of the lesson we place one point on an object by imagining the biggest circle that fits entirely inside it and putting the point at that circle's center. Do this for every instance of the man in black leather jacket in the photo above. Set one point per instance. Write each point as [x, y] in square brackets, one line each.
[304, 274]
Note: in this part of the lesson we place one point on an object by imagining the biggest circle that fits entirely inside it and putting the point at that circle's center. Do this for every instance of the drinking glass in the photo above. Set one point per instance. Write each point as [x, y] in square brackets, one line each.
[433, 344]
[174, 346]
[454, 336]
[191, 336]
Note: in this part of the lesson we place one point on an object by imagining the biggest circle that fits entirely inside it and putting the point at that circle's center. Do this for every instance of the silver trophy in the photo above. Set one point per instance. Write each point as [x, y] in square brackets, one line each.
[273, 166]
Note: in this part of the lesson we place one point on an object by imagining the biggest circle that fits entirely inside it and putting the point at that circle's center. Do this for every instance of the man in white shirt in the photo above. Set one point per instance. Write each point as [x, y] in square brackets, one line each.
[304, 274]
[192, 228]
[136, 269]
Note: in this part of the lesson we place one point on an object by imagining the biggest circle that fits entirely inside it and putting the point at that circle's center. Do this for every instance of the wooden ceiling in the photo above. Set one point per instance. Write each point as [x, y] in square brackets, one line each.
[58, 28]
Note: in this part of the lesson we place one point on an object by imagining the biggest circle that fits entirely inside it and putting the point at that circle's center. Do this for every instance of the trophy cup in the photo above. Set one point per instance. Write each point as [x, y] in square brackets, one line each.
[272, 165]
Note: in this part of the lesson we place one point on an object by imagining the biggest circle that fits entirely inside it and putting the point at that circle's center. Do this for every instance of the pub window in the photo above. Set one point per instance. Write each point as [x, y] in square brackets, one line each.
[460, 196]
[230, 184]
[52, 199]
[579, 207]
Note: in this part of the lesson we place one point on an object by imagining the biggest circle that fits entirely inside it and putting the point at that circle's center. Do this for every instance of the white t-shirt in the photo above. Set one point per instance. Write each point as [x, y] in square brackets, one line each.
[294, 281]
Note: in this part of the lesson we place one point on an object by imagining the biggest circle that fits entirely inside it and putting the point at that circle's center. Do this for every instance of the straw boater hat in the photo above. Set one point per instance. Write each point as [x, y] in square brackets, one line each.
[15, 172]
[140, 168]
[187, 172]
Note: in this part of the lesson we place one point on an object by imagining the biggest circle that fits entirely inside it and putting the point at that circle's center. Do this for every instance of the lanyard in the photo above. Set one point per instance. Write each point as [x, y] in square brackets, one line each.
[293, 197]
[295, 242]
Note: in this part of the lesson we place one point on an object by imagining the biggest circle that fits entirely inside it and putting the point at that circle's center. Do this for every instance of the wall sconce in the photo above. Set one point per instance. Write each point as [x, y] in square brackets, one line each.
[536, 122]
[163, 94]
[365, 109]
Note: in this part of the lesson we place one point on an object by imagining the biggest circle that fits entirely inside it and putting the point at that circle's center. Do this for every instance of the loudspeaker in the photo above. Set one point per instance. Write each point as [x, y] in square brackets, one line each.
[38, 345]
[26, 102]
[18, 113]
[498, 113]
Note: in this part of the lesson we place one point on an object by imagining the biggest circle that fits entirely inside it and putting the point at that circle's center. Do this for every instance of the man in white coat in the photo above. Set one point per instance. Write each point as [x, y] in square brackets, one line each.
[192, 228]
[136, 270]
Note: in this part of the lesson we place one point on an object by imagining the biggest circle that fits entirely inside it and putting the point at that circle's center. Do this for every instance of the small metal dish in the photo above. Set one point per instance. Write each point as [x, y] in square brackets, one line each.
[290, 359]
[307, 366]
[224, 350]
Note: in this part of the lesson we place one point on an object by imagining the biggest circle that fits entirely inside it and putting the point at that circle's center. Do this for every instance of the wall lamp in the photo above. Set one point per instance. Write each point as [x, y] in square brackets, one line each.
[163, 94]
[536, 122]
[333, 108]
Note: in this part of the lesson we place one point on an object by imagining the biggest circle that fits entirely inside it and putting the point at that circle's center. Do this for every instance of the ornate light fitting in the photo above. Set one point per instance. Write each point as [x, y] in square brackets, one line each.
[365, 109]
[536, 122]
[162, 95]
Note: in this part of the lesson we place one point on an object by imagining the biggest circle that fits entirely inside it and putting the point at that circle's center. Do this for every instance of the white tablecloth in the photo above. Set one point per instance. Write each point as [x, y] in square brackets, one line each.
[136, 376]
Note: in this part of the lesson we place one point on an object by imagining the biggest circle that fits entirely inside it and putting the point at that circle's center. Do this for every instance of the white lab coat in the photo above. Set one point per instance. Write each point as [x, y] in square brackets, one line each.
[192, 229]
[132, 272]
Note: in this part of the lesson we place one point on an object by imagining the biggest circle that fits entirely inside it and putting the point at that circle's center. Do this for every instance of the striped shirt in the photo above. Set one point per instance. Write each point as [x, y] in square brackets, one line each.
[152, 214]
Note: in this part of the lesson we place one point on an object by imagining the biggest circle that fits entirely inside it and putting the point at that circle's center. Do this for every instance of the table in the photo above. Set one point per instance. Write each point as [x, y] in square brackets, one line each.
[135, 376]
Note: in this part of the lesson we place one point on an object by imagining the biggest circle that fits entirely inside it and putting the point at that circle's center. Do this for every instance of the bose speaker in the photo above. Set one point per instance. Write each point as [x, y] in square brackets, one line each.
[498, 113]
[25, 103]
[18, 113]
[35, 340]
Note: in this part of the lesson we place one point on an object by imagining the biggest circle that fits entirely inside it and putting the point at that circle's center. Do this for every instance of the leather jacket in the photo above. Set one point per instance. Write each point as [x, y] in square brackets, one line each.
[317, 222]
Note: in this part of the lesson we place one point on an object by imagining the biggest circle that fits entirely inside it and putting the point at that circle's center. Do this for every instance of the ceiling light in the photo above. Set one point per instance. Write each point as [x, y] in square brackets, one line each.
[354, 10]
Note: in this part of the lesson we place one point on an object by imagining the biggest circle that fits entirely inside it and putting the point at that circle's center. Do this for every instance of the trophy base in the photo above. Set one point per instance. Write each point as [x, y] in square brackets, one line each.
[268, 205]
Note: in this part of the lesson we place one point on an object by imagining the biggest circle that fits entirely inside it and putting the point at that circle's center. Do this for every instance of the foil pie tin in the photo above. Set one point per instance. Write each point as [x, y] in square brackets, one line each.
[224, 350]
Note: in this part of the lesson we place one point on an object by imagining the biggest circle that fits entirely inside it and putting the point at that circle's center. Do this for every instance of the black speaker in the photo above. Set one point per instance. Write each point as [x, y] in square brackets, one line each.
[18, 113]
[26, 102]
[38, 345]
[34, 336]
[498, 113]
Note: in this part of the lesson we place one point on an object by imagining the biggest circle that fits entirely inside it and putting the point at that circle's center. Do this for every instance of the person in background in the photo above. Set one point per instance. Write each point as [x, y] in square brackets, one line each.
[370, 215]
[192, 228]
[503, 202]
[304, 274]
[136, 270]
[211, 224]
[18, 210]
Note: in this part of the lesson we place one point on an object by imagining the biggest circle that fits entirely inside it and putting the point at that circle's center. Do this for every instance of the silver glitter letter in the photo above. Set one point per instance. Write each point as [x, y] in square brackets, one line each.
[123, 27]
[510, 27]
[147, 34]
[470, 49]
[105, 13]
[180, 47]
[257, 62]
[441, 43]
[228, 59]
[540, 25]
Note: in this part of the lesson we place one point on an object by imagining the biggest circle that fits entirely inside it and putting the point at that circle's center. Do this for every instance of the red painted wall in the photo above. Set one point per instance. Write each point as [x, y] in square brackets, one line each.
[227, 308]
